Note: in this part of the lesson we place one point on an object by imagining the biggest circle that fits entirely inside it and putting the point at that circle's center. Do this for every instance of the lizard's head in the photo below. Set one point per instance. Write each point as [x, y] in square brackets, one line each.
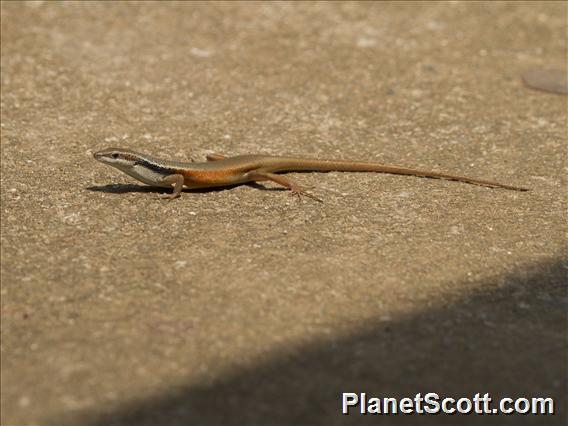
[139, 166]
[117, 157]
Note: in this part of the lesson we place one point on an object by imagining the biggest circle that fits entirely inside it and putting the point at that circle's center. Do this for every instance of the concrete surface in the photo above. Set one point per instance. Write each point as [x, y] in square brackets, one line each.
[243, 306]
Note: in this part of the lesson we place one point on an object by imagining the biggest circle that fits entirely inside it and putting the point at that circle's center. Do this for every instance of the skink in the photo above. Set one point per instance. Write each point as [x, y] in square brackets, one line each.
[222, 171]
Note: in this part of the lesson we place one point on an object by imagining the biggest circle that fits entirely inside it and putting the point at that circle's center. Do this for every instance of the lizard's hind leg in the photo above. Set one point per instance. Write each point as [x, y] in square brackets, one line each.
[259, 176]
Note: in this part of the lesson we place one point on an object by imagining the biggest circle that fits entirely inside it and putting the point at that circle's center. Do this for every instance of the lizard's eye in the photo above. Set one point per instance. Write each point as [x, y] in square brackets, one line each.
[115, 155]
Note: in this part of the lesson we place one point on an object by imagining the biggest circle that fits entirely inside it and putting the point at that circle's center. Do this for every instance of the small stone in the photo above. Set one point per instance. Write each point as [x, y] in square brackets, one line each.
[180, 264]
[366, 42]
[24, 401]
[201, 53]
[523, 305]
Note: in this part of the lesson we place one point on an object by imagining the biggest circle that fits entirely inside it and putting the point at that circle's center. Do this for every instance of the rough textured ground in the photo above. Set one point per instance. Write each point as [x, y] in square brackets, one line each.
[243, 306]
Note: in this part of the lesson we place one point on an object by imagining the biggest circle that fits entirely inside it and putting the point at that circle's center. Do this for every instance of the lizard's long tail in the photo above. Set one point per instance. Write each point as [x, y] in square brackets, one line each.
[299, 165]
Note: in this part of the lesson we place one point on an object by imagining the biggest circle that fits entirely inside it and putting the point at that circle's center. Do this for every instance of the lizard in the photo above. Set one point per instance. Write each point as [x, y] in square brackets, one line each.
[220, 170]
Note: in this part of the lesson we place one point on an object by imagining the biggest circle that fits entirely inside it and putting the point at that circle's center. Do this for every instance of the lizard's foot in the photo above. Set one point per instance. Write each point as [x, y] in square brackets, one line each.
[168, 197]
[298, 192]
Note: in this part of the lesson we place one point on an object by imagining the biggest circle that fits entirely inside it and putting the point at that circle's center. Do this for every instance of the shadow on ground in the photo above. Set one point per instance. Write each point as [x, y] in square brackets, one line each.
[119, 188]
[476, 344]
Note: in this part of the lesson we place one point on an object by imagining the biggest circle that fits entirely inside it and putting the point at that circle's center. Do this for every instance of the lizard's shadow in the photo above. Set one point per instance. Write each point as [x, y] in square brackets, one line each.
[126, 188]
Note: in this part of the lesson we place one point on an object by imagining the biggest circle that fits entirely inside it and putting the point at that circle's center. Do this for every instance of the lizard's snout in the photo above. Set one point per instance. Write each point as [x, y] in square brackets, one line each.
[100, 156]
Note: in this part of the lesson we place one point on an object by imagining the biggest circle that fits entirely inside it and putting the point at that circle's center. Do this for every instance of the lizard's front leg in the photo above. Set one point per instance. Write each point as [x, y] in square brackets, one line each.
[215, 157]
[177, 182]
